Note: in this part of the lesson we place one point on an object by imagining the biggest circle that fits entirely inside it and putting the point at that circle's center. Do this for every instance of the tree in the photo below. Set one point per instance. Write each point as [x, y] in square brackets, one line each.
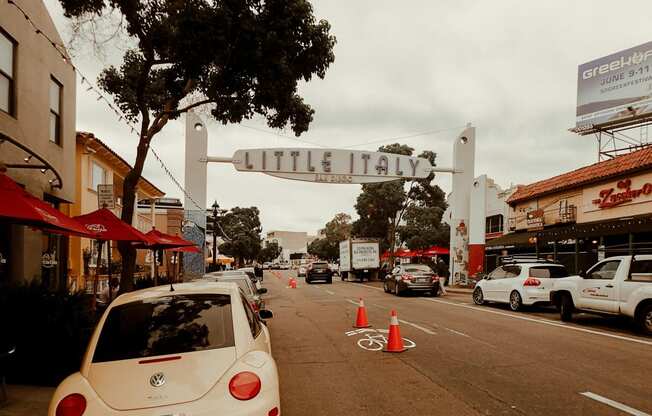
[379, 204]
[242, 226]
[339, 228]
[270, 252]
[383, 206]
[323, 249]
[239, 58]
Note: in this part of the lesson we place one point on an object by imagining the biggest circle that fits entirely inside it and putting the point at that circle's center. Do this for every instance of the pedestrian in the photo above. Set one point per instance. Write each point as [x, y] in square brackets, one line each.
[115, 288]
[442, 273]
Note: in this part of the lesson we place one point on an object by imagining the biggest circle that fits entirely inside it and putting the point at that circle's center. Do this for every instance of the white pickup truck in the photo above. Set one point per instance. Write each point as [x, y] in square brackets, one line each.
[619, 285]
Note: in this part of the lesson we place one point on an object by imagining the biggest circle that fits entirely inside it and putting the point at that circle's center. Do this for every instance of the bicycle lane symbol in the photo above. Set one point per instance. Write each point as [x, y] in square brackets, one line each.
[375, 339]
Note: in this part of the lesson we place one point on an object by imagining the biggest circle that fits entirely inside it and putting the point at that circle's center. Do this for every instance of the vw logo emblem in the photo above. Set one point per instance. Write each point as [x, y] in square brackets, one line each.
[157, 380]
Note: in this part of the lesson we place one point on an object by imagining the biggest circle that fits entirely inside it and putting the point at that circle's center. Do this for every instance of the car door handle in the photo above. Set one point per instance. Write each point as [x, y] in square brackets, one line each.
[609, 286]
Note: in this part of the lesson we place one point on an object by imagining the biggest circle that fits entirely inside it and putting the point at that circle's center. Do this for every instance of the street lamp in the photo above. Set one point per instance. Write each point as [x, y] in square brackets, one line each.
[216, 208]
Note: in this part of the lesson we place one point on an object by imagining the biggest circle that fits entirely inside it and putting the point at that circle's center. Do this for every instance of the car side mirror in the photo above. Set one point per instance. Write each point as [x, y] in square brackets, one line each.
[582, 274]
[265, 314]
[262, 290]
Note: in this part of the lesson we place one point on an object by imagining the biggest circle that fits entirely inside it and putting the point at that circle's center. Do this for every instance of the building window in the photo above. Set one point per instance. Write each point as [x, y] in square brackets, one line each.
[55, 111]
[494, 224]
[7, 65]
[98, 176]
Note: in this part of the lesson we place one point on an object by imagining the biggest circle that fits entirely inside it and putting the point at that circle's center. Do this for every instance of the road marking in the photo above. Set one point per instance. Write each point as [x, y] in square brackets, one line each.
[543, 321]
[615, 404]
[353, 302]
[373, 287]
[329, 292]
[457, 332]
[426, 330]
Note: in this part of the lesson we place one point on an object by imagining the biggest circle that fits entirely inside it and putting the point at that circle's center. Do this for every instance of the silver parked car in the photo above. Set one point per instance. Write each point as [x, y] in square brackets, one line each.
[244, 282]
[411, 277]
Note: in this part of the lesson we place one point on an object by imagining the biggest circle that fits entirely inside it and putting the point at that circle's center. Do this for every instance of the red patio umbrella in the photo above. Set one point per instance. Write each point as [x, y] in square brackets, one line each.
[108, 227]
[187, 249]
[20, 207]
[163, 241]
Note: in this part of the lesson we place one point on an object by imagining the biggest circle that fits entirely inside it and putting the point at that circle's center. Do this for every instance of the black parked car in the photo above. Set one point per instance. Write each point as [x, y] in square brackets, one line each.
[411, 277]
[319, 270]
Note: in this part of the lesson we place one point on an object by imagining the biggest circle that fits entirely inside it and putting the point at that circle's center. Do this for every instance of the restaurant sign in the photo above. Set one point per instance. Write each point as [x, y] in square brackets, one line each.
[331, 165]
[623, 193]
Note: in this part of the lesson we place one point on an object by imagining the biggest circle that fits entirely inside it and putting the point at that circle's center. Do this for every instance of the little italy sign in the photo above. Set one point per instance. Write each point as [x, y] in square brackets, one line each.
[331, 165]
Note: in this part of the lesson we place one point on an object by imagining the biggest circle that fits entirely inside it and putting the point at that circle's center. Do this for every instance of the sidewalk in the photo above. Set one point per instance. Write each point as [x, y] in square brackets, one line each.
[459, 289]
[26, 401]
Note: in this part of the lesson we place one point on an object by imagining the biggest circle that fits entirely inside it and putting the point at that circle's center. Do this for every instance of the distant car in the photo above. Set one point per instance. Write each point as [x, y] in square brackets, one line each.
[267, 265]
[246, 285]
[411, 278]
[319, 270]
[302, 271]
[198, 350]
[251, 272]
[284, 266]
[519, 284]
[275, 266]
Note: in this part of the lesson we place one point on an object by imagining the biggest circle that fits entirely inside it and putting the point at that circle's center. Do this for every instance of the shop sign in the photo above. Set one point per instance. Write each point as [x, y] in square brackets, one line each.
[49, 260]
[331, 165]
[621, 194]
[535, 218]
[105, 196]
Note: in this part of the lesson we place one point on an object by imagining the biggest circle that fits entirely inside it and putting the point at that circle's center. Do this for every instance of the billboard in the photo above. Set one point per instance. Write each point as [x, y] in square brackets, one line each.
[615, 87]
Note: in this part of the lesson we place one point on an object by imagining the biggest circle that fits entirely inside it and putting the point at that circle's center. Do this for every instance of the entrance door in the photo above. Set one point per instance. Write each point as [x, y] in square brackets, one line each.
[598, 288]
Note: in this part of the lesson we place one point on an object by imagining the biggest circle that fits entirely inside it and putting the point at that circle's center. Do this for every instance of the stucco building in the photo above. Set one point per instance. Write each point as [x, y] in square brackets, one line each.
[37, 135]
[291, 242]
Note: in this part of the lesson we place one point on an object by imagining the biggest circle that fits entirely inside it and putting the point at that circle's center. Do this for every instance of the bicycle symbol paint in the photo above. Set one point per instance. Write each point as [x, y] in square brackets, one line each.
[376, 339]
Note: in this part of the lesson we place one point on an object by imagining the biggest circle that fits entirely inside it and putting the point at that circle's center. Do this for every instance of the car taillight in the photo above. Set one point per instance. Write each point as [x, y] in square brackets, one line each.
[434, 277]
[244, 386]
[406, 277]
[273, 412]
[531, 281]
[71, 405]
[254, 306]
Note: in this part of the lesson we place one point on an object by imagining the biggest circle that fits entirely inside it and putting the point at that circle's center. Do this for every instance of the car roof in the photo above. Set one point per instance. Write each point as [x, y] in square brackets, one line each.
[531, 265]
[193, 287]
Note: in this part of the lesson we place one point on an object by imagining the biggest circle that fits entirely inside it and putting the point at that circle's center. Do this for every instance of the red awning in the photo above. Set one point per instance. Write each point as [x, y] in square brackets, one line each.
[434, 250]
[188, 249]
[159, 240]
[107, 226]
[430, 251]
[20, 207]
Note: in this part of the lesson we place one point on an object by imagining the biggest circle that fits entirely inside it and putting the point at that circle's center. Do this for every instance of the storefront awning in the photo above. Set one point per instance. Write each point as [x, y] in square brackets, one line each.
[18, 206]
[109, 227]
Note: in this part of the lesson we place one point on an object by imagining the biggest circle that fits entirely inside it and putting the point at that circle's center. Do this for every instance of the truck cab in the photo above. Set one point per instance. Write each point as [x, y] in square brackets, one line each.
[620, 285]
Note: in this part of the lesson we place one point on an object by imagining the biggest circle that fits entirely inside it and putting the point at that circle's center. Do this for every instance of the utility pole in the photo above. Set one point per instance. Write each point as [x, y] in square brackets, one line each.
[216, 208]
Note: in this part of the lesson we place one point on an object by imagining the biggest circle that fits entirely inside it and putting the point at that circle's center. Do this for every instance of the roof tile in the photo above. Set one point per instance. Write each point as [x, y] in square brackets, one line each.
[596, 172]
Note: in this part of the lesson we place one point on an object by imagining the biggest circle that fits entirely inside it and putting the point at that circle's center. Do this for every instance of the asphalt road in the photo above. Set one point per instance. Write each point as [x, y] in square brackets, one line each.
[468, 360]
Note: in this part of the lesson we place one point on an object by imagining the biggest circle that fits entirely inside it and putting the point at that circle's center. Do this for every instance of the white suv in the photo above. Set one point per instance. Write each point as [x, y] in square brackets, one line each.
[519, 284]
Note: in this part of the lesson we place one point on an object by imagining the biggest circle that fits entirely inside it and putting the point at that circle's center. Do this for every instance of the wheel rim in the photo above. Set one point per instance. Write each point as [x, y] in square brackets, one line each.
[477, 296]
[514, 300]
[648, 321]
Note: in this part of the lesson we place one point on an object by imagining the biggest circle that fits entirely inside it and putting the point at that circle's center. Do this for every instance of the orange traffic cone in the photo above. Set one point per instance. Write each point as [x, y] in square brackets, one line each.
[361, 320]
[293, 283]
[394, 342]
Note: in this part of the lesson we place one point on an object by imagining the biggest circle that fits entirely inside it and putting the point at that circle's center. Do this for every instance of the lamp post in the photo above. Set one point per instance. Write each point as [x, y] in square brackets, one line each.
[216, 208]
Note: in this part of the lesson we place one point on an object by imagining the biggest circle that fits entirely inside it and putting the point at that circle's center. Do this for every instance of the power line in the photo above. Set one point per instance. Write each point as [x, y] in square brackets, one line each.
[100, 97]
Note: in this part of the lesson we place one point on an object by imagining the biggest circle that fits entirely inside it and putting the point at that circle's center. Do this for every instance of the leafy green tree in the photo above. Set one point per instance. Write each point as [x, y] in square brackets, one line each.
[324, 249]
[242, 228]
[238, 58]
[339, 228]
[270, 252]
[383, 206]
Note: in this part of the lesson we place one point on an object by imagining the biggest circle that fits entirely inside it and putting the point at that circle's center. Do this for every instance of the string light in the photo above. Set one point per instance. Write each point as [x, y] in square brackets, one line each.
[100, 96]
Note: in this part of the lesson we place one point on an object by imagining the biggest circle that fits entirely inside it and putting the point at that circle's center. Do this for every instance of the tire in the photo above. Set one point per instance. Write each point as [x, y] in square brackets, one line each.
[566, 308]
[644, 319]
[330, 280]
[385, 287]
[515, 301]
[345, 276]
[397, 291]
[478, 296]
[308, 281]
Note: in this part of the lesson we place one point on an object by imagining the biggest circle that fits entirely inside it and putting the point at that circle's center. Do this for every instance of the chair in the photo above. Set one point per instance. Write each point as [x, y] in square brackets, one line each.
[5, 355]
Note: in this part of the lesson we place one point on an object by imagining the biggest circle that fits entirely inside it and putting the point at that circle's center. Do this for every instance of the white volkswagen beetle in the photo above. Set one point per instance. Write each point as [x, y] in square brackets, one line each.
[199, 350]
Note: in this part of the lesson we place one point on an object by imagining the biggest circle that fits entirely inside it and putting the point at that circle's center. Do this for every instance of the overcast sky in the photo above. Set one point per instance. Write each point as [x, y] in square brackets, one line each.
[507, 67]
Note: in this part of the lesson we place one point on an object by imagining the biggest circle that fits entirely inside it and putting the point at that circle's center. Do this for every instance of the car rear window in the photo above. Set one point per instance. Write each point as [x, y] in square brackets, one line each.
[166, 325]
[320, 265]
[548, 272]
[417, 268]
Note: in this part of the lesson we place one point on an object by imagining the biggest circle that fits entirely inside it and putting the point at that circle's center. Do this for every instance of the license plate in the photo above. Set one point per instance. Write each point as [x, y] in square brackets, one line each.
[422, 280]
[366, 271]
